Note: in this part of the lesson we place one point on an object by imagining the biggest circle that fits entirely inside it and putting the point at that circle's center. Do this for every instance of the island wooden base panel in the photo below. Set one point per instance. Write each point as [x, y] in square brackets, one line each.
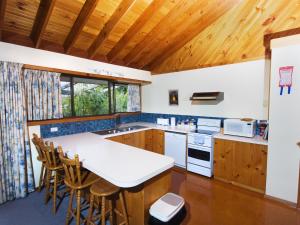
[139, 199]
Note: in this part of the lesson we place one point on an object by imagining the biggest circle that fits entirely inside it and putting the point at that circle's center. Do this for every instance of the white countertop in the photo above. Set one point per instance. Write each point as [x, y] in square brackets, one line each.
[120, 164]
[255, 140]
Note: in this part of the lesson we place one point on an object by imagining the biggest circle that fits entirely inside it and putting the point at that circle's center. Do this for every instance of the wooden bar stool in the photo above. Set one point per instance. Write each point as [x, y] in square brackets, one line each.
[100, 192]
[41, 158]
[55, 174]
[78, 180]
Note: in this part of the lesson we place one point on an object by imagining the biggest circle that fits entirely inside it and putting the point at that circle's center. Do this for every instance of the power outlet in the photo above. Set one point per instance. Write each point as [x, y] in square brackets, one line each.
[53, 129]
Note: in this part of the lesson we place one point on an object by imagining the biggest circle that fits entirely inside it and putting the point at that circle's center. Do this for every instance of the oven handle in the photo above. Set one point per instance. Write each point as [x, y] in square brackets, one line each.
[197, 147]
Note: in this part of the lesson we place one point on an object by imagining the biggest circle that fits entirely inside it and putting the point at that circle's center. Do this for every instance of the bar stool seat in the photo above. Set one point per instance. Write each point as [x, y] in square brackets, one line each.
[87, 179]
[103, 191]
[103, 188]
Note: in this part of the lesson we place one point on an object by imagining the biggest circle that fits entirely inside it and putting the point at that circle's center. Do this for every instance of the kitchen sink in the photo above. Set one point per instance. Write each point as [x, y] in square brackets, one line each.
[119, 130]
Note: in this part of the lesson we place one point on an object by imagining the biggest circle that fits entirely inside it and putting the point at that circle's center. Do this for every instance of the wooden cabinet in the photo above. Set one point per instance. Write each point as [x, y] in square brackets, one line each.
[139, 139]
[118, 138]
[240, 163]
[151, 140]
[158, 143]
[223, 159]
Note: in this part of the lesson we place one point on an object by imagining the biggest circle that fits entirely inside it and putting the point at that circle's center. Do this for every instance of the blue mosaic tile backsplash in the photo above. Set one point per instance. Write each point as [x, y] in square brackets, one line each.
[95, 125]
[129, 119]
[151, 117]
[86, 126]
[76, 127]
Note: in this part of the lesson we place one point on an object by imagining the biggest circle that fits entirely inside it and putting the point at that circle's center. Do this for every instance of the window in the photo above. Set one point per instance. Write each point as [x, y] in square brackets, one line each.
[65, 83]
[127, 98]
[121, 97]
[91, 97]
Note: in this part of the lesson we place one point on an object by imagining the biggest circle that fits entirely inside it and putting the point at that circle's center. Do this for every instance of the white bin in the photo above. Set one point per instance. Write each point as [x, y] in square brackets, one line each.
[165, 208]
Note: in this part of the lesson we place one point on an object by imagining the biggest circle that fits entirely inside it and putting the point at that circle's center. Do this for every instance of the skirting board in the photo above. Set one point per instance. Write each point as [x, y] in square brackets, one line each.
[282, 201]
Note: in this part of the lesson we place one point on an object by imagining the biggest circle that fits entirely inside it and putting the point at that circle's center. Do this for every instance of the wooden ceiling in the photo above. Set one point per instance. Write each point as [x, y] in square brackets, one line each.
[156, 35]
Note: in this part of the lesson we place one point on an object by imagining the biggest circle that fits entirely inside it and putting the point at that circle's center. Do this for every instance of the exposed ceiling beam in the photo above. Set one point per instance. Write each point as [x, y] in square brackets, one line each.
[135, 28]
[180, 7]
[197, 25]
[124, 7]
[41, 20]
[79, 24]
[2, 12]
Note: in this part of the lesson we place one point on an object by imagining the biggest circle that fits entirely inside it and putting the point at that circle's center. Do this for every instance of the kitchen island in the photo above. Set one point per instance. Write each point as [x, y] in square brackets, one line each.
[144, 175]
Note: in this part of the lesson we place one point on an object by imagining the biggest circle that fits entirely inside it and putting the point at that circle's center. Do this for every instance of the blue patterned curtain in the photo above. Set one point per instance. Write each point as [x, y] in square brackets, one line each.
[134, 98]
[16, 177]
[43, 93]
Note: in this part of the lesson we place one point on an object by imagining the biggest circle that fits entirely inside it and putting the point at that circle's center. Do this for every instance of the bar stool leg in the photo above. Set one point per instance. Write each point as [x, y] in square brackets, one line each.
[48, 180]
[111, 222]
[103, 211]
[70, 207]
[54, 192]
[123, 207]
[41, 178]
[78, 207]
[91, 210]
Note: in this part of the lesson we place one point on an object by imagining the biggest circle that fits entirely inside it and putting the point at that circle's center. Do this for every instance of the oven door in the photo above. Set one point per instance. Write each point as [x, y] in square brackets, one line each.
[199, 155]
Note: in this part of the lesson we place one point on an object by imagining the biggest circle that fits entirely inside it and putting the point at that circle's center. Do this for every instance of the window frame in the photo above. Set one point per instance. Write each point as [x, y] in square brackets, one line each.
[111, 96]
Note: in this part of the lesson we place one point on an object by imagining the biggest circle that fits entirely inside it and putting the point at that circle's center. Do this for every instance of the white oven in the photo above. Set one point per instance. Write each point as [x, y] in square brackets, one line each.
[199, 155]
[200, 147]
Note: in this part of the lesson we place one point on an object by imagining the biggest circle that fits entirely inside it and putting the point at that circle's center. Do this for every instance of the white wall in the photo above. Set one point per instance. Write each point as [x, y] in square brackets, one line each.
[25, 55]
[242, 84]
[283, 152]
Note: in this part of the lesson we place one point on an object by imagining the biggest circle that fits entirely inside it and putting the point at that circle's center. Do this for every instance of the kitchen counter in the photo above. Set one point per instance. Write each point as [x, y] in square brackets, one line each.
[148, 126]
[120, 164]
[145, 176]
[255, 140]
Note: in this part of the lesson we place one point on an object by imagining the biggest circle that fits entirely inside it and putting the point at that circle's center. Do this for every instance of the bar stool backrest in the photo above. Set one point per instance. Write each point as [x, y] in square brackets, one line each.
[50, 153]
[35, 141]
[72, 169]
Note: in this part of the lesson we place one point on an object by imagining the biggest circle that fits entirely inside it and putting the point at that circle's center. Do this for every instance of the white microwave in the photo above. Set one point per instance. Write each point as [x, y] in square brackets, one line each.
[240, 127]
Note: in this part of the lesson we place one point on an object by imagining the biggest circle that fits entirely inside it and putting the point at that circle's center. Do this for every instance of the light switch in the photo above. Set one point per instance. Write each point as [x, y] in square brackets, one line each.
[53, 129]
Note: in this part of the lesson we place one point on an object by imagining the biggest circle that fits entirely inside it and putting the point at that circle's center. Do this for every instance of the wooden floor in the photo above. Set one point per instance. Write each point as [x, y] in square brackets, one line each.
[212, 202]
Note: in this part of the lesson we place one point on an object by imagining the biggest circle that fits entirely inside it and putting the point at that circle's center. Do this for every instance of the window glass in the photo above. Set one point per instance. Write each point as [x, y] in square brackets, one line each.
[65, 83]
[121, 97]
[91, 97]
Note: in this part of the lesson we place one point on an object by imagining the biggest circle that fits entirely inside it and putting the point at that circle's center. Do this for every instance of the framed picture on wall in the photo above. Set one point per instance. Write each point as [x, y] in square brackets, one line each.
[173, 97]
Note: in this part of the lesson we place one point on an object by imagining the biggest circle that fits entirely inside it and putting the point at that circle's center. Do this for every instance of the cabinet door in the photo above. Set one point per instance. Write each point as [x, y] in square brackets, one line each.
[158, 141]
[223, 159]
[250, 165]
[242, 169]
[139, 139]
[149, 140]
[259, 166]
[128, 139]
[118, 138]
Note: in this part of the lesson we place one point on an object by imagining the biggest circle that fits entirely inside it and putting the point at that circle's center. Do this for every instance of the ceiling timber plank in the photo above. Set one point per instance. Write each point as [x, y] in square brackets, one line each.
[163, 26]
[236, 37]
[135, 28]
[197, 23]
